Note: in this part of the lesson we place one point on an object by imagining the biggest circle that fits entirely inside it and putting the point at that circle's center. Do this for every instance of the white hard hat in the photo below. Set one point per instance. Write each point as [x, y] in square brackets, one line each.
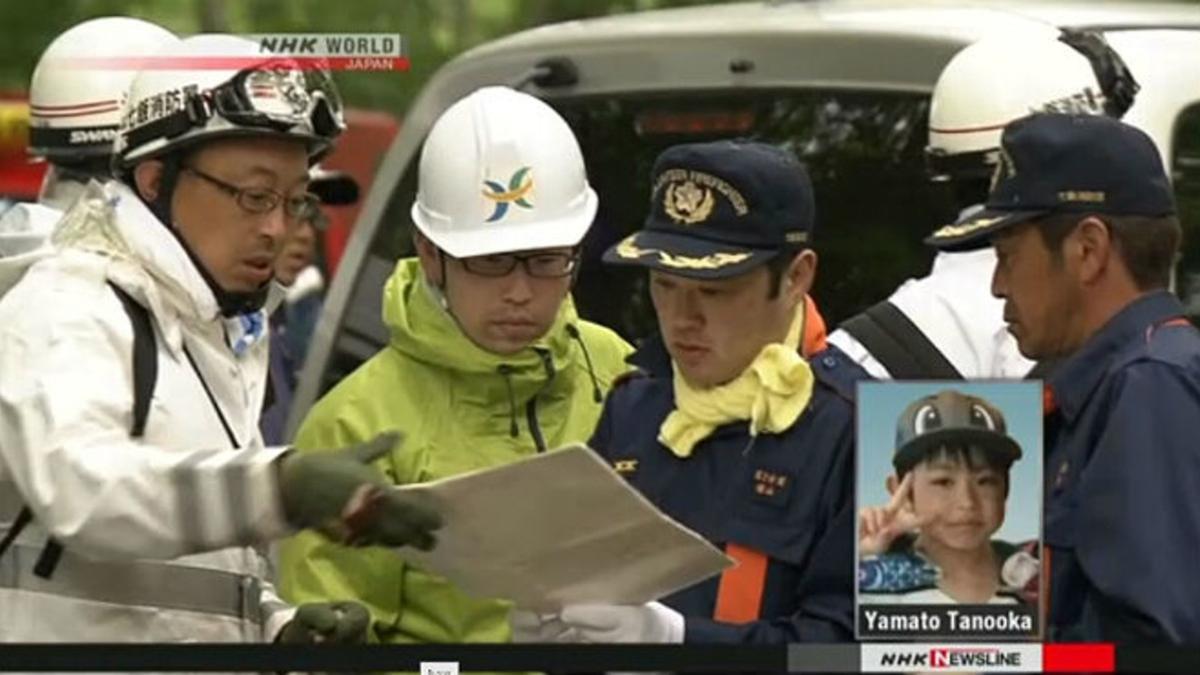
[997, 80]
[171, 105]
[994, 81]
[75, 110]
[501, 171]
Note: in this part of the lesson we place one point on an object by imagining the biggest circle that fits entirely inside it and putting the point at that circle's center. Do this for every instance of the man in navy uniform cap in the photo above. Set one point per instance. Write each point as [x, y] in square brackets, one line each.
[1083, 220]
[727, 428]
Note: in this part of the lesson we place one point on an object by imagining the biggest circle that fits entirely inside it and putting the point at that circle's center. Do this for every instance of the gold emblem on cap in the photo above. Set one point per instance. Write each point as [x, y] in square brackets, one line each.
[714, 261]
[689, 196]
[1005, 168]
[966, 228]
[687, 203]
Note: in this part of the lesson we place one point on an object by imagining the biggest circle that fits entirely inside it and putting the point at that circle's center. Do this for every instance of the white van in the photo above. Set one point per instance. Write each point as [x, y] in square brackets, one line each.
[844, 83]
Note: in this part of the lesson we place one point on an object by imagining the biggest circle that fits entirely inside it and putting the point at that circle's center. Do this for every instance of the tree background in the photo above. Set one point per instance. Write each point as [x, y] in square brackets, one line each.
[434, 30]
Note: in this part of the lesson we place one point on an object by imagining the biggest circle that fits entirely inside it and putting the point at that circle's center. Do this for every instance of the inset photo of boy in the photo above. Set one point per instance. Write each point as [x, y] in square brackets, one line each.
[949, 504]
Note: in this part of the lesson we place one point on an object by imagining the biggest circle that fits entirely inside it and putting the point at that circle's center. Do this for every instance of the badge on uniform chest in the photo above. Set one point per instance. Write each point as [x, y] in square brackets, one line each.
[770, 486]
[625, 467]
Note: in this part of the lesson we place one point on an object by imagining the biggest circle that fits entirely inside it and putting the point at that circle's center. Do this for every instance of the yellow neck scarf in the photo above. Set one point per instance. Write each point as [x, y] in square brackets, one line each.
[771, 393]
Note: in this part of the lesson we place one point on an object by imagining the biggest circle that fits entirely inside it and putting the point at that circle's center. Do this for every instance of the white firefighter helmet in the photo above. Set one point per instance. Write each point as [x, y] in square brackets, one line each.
[183, 99]
[997, 80]
[75, 107]
[501, 171]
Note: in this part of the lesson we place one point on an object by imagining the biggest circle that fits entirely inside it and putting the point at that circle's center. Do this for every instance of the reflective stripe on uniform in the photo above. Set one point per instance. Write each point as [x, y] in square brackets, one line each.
[135, 583]
[739, 593]
[186, 477]
[238, 488]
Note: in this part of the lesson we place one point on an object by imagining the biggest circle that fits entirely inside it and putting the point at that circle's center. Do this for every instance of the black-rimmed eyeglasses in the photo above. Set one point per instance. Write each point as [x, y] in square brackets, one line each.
[540, 265]
[264, 200]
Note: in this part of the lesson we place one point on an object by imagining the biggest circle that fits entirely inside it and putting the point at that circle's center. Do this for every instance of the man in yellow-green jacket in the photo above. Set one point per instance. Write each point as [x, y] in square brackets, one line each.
[487, 361]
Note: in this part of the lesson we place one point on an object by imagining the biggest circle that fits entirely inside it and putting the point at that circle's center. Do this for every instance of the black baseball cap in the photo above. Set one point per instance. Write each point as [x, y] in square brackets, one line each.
[720, 209]
[950, 418]
[1053, 163]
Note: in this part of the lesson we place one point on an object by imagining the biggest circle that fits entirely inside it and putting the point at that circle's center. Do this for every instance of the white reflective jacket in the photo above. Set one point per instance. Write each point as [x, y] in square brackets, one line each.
[131, 514]
[26, 227]
[954, 307]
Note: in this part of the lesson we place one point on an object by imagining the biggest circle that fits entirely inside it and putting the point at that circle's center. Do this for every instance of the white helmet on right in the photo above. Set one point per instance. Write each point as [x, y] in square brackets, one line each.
[75, 109]
[501, 171]
[997, 80]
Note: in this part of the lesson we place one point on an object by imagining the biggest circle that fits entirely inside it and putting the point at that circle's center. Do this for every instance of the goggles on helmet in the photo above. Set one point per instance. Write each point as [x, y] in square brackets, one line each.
[280, 98]
[275, 96]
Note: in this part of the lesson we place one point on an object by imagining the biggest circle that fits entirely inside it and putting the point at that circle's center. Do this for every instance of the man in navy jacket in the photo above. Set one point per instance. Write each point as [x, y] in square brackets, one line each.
[1083, 220]
[726, 427]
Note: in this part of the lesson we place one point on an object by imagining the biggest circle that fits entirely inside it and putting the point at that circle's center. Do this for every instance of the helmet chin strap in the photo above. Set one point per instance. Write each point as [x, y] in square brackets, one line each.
[231, 303]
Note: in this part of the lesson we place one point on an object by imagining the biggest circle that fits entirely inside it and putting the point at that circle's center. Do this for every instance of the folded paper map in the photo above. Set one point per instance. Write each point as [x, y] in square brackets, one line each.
[559, 528]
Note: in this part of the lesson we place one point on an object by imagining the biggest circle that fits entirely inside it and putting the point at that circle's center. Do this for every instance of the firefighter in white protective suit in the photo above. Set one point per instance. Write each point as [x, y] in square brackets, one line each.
[134, 483]
[73, 121]
[947, 325]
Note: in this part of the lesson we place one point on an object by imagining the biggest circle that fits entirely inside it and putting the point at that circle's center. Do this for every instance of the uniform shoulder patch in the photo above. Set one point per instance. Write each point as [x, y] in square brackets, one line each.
[835, 370]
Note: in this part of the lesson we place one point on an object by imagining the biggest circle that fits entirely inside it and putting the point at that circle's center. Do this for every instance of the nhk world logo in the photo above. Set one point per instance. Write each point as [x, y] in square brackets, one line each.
[996, 658]
[341, 51]
[300, 51]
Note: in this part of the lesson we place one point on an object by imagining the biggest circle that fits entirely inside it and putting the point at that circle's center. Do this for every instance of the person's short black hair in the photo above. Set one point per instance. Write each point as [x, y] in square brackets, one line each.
[974, 457]
[1147, 244]
[777, 266]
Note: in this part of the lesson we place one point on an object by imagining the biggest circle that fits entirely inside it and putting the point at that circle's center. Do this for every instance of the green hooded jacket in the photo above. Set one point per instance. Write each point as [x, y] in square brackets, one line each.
[461, 408]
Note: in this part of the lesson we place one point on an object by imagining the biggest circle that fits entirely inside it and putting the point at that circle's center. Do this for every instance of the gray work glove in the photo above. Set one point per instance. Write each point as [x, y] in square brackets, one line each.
[342, 623]
[339, 494]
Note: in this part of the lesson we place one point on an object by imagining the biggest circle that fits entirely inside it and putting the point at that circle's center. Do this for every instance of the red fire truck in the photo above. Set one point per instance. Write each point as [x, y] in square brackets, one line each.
[358, 152]
[20, 178]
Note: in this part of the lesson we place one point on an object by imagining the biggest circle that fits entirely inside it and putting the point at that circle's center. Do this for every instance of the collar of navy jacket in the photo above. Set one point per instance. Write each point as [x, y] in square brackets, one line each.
[1077, 378]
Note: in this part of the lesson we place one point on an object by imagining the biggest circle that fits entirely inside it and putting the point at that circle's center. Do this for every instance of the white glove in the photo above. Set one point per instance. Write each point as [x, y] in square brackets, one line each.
[530, 627]
[652, 622]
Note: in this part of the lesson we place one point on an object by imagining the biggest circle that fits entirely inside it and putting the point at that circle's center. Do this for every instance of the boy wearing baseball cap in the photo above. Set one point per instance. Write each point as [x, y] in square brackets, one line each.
[932, 543]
